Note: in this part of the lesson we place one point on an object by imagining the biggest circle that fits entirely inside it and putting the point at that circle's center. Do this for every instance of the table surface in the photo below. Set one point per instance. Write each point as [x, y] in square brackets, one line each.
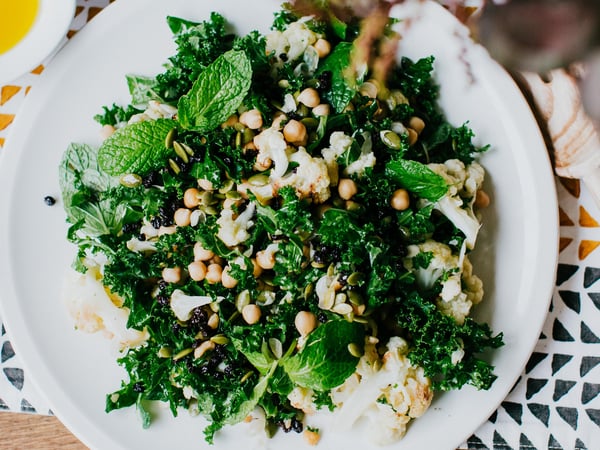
[34, 431]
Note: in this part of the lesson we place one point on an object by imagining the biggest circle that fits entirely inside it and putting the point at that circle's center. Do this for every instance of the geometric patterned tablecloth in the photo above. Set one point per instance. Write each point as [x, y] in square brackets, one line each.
[554, 405]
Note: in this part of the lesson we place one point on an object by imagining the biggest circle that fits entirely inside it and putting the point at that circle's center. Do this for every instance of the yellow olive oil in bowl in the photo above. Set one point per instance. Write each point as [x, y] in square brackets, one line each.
[16, 20]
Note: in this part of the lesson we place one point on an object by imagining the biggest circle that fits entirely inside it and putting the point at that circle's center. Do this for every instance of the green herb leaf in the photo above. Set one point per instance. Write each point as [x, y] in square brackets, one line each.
[142, 90]
[325, 362]
[341, 91]
[136, 148]
[217, 92]
[417, 178]
[178, 25]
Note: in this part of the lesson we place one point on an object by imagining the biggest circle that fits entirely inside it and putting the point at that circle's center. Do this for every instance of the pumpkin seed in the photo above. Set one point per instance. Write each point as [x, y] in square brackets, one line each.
[183, 353]
[258, 180]
[276, 347]
[227, 186]
[390, 139]
[342, 309]
[355, 350]
[246, 376]
[180, 151]
[164, 352]
[170, 137]
[242, 299]
[220, 339]
[355, 278]
[174, 166]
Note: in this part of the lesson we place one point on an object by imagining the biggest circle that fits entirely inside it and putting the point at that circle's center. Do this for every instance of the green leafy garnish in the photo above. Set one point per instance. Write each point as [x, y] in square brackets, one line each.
[417, 178]
[217, 92]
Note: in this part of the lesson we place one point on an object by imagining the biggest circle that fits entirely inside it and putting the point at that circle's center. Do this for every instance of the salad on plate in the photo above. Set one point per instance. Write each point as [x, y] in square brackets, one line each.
[269, 238]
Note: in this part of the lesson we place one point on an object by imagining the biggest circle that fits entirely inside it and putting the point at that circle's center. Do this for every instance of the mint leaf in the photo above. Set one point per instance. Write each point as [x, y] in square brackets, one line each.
[142, 90]
[217, 92]
[136, 148]
[417, 178]
[177, 25]
[325, 362]
[341, 91]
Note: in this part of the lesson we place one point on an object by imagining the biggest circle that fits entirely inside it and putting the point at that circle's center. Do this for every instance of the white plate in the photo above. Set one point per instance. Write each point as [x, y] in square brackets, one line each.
[516, 254]
[49, 28]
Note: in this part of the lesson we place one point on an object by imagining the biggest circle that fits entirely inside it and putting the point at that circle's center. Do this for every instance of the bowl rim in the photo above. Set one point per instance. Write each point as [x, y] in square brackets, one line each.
[47, 32]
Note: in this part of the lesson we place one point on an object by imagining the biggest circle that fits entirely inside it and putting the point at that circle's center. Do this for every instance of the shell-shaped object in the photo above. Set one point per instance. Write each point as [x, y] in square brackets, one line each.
[574, 137]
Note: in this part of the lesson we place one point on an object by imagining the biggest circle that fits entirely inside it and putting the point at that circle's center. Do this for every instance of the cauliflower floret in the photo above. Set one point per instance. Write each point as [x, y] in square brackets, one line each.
[95, 309]
[235, 231]
[292, 42]
[389, 397]
[154, 111]
[182, 304]
[461, 289]
[272, 146]
[310, 178]
[302, 399]
[365, 160]
[339, 143]
[457, 205]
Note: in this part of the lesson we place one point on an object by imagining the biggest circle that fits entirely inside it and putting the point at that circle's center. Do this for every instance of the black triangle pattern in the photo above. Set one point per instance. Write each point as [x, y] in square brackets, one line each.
[27, 407]
[591, 275]
[553, 444]
[595, 297]
[525, 443]
[588, 363]
[594, 415]
[543, 336]
[559, 361]
[514, 410]
[534, 360]
[579, 445]
[571, 299]
[475, 443]
[493, 417]
[560, 333]
[541, 412]
[7, 351]
[561, 388]
[589, 392]
[500, 443]
[569, 415]
[587, 336]
[534, 385]
[564, 272]
[3, 405]
[16, 376]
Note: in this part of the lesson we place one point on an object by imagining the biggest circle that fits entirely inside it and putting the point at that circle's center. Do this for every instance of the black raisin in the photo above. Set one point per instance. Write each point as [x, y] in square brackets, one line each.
[49, 200]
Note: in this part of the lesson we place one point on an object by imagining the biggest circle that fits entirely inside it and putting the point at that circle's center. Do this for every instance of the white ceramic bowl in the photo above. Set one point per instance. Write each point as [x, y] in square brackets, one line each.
[50, 27]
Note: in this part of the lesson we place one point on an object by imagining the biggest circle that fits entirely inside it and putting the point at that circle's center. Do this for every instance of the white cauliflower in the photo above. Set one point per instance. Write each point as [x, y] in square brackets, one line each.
[292, 42]
[95, 309]
[272, 146]
[310, 178]
[457, 205]
[182, 304]
[234, 231]
[155, 110]
[365, 160]
[461, 289]
[339, 143]
[302, 399]
[389, 397]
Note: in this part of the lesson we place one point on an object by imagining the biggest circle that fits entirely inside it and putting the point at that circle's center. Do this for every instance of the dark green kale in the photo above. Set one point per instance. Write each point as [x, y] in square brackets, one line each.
[116, 114]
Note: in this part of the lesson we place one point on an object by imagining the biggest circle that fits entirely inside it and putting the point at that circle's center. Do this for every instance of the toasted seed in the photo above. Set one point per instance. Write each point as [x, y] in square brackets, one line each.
[276, 347]
[242, 299]
[130, 180]
[246, 376]
[390, 139]
[174, 166]
[328, 300]
[170, 137]
[164, 352]
[220, 339]
[355, 350]
[355, 298]
[182, 353]
[213, 321]
[180, 151]
[355, 278]
[258, 180]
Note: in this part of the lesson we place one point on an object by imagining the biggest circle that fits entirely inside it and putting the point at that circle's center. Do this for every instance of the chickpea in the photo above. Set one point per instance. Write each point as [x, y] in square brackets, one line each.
[251, 313]
[202, 254]
[171, 274]
[107, 131]
[256, 269]
[182, 217]
[228, 281]
[400, 200]
[230, 122]
[278, 118]
[191, 198]
[412, 136]
[347, 188]
[252, 119]
[197, 270]
[295, 132]
[321, 110]
[417, 124]
[482, 200]
[213, 321]
[323, 47]
[309, 97]
[305, 322]
[214, 273]
[265, 259]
